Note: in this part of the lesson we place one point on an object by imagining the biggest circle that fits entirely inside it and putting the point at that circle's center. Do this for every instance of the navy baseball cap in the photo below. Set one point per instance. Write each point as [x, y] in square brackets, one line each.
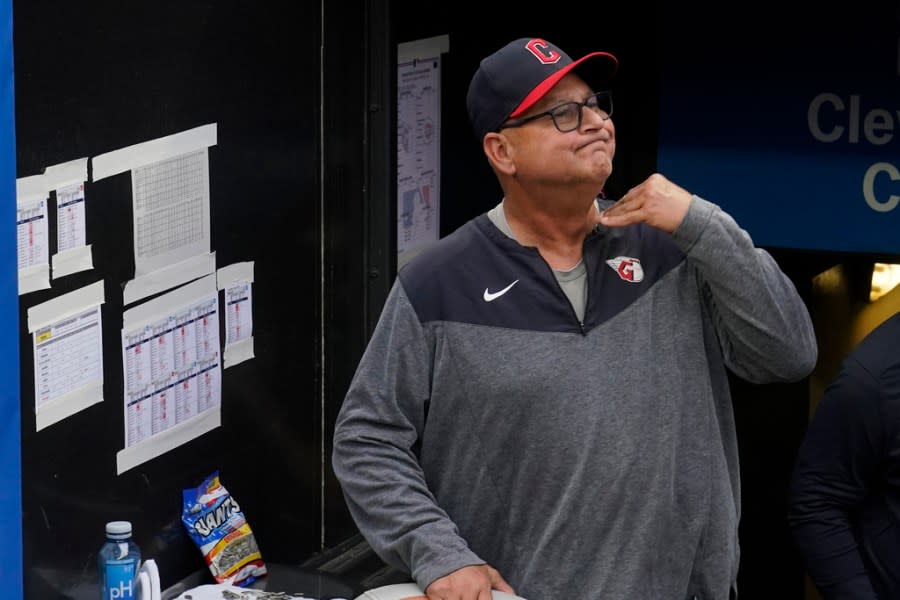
[512, 79]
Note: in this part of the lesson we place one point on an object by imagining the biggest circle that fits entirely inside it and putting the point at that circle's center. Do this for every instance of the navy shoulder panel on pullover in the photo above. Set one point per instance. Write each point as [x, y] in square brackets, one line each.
[478, 275]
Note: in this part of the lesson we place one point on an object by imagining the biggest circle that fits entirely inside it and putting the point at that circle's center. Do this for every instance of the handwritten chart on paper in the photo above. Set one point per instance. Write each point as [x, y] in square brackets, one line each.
[170, 201]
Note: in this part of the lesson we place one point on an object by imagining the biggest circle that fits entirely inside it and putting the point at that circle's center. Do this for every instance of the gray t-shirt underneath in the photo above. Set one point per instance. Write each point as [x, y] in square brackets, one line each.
[573, 281]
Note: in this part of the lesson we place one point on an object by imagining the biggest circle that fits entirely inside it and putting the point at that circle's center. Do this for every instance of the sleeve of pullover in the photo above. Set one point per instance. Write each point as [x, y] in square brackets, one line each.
[374, 456]
[836, 466]
[763, 325]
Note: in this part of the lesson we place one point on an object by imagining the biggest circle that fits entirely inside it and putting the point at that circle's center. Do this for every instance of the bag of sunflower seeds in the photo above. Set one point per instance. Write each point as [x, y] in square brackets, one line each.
[215, 522]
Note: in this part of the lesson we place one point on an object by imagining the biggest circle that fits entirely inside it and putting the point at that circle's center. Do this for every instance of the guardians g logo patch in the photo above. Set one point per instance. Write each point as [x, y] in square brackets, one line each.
[627, 268]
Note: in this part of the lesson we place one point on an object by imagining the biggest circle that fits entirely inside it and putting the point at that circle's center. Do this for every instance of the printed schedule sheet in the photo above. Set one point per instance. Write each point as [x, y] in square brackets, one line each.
[33, 249]
[172, 367]
[67, 335]
[236, 280]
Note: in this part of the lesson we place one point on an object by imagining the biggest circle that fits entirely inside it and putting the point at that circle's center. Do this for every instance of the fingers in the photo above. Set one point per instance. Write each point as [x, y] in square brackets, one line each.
[497, 581]
[474, 582]
[656, 201]
[627, 211]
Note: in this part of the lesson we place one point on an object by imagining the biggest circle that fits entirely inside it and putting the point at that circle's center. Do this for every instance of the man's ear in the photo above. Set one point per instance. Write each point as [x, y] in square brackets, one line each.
[500, 152]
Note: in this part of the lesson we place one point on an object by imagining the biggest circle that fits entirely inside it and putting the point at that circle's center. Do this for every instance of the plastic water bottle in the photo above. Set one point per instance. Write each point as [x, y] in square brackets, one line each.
[119, 562]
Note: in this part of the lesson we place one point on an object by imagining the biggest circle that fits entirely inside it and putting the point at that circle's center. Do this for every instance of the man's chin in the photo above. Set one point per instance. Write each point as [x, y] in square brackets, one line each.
[601, 174]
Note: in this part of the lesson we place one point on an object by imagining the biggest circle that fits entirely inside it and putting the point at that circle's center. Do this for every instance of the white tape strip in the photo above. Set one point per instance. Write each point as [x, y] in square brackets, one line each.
[145, 153]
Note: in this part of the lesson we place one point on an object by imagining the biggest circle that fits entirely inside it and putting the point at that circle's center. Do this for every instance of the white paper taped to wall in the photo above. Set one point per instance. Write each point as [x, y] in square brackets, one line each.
[67, 337]
[67, 173]
[67, 180]
[31, 188]
[418, 145]
[71, 261]
[237, 280]
[234, 273]
[169, 277]
[145, 153]
[170, 358]
[170, 208]
[31, 234]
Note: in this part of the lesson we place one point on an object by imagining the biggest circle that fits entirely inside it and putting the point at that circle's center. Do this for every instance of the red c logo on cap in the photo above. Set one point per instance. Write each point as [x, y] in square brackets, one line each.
[541, 49]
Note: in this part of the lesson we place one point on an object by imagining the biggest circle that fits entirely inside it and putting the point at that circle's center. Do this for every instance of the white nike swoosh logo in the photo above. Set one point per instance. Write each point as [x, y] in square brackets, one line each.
[490, 297]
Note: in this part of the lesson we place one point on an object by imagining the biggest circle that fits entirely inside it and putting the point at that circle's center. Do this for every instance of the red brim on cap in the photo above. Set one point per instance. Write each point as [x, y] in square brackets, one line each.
[546, 85]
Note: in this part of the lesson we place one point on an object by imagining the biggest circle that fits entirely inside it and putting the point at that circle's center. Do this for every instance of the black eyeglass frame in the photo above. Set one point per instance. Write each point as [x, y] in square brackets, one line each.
[581, 106]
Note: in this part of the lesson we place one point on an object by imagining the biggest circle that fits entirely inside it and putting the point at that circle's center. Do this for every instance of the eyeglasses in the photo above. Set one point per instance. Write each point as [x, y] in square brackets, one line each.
[567, 116]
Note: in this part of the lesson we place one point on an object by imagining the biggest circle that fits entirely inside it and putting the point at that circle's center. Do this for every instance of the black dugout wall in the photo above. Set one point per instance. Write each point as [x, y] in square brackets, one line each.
[290, 180]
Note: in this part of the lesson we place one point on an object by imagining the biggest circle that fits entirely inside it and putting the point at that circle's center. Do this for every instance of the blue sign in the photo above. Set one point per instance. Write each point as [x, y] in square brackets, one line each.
[791, 124]
[10, 451]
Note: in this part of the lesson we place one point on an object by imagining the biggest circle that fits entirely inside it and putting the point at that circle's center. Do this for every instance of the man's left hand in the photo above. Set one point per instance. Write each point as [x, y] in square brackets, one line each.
[656, 201]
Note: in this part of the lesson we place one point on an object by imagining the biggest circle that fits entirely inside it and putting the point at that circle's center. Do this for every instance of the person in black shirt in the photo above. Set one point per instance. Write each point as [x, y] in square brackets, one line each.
[844, 502]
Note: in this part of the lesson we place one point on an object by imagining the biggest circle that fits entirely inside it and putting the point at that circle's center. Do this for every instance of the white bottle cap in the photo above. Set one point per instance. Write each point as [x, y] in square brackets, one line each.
[118, 530]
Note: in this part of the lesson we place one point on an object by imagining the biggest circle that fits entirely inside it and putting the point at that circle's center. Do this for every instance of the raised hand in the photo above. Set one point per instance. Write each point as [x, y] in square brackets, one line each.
[656, 201]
